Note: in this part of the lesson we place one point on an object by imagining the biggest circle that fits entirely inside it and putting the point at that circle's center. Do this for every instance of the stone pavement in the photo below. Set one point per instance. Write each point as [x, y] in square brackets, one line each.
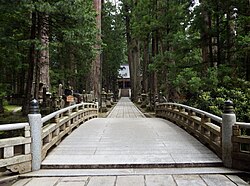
[125, 109]
[138, 180]
[125, 143]
[129, 141]
[150, 151]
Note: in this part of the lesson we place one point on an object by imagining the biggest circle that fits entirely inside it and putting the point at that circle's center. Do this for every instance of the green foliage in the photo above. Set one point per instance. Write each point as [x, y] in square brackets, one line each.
[210, 79]
[187, 81]
[215, 101]
[14, 43]
[207, 93]
[209, 90]
[197, 62]
[9, 117]
[114, 48]
[201, 54]
[72, 40]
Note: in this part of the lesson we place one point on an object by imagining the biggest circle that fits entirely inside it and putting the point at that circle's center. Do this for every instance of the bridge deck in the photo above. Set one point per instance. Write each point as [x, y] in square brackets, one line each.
[126, 139]
[130, 142]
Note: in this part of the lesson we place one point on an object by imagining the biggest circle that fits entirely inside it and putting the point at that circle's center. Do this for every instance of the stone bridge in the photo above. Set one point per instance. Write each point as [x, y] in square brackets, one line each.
[188, 146]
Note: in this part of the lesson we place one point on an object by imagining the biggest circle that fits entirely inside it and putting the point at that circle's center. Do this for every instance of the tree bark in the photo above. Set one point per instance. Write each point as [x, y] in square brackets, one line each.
[136, 83]
[44, 52]
[73, 69]
[145, 78]
[1, 105]
[95, 76]
[247, 55]
[247, 62]
[32, 58]
[129, 46]
[205, 44]
[218, 54]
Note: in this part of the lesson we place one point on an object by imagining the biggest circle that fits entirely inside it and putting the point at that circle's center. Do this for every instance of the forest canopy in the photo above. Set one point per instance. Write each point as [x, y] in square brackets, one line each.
[46, 43]
[194, 52]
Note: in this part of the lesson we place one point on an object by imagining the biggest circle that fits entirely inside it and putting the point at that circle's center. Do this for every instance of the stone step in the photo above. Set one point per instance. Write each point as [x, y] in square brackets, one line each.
[124, 172]
[130, 165]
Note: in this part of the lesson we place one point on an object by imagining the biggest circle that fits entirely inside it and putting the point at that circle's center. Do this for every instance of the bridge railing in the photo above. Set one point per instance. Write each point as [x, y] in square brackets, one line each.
[25, 153]
[63, 122]
[203, 125]
[234, 149]
[15, 152]
[241, 145]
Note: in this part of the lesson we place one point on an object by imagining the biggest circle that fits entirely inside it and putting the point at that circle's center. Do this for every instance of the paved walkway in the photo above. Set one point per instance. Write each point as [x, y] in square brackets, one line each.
[125, 109]
[128, 140]
[131, 141]
[139, 180]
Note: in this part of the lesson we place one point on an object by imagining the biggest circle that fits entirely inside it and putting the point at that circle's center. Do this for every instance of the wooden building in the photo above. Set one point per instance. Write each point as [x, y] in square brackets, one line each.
[124, 81]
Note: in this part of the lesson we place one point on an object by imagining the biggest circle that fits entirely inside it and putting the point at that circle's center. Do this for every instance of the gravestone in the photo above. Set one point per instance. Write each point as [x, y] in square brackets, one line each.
[144, 100]
[108, 100]
[60, 90]
[104, 96]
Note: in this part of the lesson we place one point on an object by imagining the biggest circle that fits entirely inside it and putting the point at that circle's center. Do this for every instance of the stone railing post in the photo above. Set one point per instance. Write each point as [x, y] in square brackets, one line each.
[35, 122]
[228, 120]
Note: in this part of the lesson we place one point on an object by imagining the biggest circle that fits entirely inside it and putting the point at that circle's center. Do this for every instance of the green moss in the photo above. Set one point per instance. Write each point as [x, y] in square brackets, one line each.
[10, 108]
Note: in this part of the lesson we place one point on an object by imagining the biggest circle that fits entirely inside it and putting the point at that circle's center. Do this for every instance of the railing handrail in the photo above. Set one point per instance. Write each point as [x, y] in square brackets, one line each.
[228, 140]
[243, 124]
[16, 126]
[13, 126]
[52, 115]
[39, 139]
[212, 116]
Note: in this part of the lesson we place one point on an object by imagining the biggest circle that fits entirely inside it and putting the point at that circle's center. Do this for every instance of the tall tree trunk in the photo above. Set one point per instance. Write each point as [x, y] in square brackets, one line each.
[246, 31]
[154, 87]
[95, 77]
[218, 54]
[36, 78]
[210, 42]
[145, 78]
[205, 39]
[247, 55]
[73, 69]
[129, 45]
[130, 63]
[155, 51]
[96, 64]
[228, 39]
[135, 70]
[230, 34]
[21, 89]
[247, 62]
[44, 52]
[32, 58]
